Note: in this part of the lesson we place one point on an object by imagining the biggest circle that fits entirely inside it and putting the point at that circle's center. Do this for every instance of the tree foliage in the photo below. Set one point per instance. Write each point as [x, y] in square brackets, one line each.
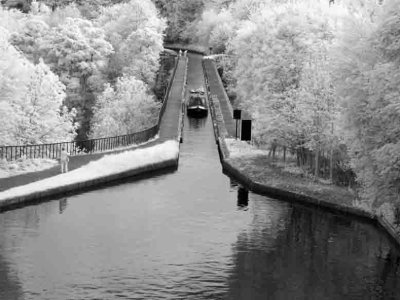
[368, 60]
[136, 32]
[181, 18]
[33, 95]
[85, 50]
[124, 109]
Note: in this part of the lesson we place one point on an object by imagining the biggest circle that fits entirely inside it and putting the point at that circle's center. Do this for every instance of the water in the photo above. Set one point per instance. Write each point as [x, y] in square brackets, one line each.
[190, 234]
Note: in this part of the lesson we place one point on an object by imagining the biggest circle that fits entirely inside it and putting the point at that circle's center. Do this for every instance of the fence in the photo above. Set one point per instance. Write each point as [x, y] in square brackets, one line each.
[52, 151]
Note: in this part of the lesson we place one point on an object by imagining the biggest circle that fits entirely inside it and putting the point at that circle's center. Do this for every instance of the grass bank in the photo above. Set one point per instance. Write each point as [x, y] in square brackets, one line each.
[258, 166]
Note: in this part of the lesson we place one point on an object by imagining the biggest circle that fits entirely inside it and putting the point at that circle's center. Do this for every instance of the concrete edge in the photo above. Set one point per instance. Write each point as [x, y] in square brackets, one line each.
[263, 189]
[74, 187]
[214, 65]
[216, 114]
[182, 114]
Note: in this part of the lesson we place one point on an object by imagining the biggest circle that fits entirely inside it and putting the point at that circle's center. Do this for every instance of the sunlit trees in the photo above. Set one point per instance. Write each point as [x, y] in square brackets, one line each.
[368, 81]
[272, 51]
[33, 96]
[140, 52]
[13, 79]
[318, 109]
[30, 39]
[136, 32]
[43, 118]
[124, 109]
[86, 50]
[76, 49]
[215, 29]
[11, 20]
[181, 16]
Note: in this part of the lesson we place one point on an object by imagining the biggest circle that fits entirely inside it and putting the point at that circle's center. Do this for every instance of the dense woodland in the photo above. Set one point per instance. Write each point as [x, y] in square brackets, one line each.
[63, 68]
[319, 78]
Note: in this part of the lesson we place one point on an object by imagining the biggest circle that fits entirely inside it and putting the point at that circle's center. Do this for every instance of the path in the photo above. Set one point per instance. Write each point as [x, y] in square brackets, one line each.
[216, 88]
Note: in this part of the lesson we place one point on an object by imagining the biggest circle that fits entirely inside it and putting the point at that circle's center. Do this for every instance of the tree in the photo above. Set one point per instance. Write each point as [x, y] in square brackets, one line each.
[11, 20]
[180, 17]
[124, 109]
[271, 50]
[318, 108]
[77, 51]
[136, 33]
[43, 118]
[13, 78]
[368, 82]
[33, 95]
[30, 39]
[140, 52]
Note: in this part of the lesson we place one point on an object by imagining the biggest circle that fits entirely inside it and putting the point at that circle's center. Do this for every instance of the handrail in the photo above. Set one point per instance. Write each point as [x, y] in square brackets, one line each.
[53, 150]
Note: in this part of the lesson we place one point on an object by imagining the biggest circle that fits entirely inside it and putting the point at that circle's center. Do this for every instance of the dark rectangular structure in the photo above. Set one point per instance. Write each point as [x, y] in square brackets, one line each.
[246, 130]
[237, 114]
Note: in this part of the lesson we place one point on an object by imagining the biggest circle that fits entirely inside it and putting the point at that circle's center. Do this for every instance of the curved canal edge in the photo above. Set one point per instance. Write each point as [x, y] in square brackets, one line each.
[41, 190]
[248, 182]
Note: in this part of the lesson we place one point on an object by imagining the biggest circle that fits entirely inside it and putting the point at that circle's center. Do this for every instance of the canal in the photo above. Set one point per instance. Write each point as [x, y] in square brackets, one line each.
[190, 234]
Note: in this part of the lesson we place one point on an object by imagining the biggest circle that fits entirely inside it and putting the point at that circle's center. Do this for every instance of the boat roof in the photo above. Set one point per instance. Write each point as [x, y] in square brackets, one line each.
[196, 99]
[198, 91]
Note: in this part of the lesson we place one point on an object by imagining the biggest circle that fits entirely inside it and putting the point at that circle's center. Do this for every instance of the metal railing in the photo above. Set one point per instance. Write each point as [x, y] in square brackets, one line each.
[53, 150]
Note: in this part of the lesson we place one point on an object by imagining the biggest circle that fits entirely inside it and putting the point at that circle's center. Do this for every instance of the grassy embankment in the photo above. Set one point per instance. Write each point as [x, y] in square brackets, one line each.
[261, 168]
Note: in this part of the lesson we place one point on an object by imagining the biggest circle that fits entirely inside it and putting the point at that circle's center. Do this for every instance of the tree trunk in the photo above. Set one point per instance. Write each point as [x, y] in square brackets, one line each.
[284, 154]
[298, 157]
[331, 166]
[316, 163]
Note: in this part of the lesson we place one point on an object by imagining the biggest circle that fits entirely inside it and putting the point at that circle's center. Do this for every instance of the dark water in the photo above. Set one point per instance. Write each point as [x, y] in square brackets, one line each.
[191, 234]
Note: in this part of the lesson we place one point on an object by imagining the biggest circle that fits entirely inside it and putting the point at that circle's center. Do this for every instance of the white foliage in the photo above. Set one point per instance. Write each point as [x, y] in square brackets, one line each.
[136, 33]
[33, 95]
[124, 109]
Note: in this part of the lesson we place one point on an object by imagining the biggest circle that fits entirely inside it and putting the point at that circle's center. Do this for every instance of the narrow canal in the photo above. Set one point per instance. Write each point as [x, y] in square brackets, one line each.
[190, 234]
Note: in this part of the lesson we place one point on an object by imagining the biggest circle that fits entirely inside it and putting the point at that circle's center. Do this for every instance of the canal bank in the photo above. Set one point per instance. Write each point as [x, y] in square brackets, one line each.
[267, 181]
[159, 155]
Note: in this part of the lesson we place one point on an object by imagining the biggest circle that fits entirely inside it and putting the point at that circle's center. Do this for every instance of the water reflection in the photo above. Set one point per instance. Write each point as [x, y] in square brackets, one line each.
[196, 123]
[315, 255]
[10, 288]
[62, 205]
[242, 198]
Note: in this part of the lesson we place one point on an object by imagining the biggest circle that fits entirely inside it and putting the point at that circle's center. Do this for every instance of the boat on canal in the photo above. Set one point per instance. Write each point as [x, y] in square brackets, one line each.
[197, 105]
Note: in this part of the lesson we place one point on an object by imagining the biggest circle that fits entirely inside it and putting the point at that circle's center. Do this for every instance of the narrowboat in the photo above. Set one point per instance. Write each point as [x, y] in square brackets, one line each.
[197, 105]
